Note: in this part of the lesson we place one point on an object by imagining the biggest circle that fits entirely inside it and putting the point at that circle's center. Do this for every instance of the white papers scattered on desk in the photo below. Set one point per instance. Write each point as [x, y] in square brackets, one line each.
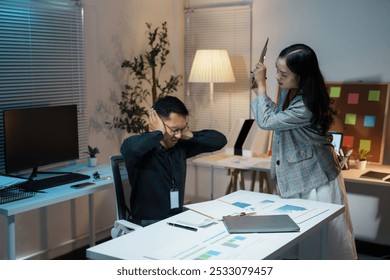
[211, 244]
[216, 209]
[300, 211]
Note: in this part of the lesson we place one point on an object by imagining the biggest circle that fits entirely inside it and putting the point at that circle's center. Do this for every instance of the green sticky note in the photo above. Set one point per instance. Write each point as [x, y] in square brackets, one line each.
[335, 92]
[350, 119]
[374, 95]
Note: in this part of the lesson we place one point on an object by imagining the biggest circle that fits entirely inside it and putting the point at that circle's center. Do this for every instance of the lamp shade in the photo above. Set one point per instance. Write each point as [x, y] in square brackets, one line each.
[211, 66]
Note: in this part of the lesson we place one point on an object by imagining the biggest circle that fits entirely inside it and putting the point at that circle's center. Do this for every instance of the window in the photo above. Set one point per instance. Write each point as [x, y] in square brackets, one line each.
[219, 28]
[42, 58]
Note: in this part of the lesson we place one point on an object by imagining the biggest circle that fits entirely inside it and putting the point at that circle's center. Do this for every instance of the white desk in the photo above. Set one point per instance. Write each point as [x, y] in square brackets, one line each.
[161, 241]
[221, 159]
[56, 195]
[353, 175]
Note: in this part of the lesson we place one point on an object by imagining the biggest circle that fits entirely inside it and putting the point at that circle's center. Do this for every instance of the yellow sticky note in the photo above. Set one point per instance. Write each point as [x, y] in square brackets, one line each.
[365, 145]
[335, 92]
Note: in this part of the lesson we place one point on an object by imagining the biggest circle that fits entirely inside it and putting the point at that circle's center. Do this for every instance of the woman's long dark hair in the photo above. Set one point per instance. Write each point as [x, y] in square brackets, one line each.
[302, 61]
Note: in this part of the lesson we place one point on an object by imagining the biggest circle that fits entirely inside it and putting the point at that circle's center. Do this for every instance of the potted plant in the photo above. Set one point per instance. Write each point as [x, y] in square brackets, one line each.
[92, 152]
[145, 86]
[362, 158]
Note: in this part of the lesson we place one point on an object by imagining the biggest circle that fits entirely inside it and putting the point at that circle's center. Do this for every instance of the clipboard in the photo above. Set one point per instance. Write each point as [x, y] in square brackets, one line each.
[261, 59]
[260, 224]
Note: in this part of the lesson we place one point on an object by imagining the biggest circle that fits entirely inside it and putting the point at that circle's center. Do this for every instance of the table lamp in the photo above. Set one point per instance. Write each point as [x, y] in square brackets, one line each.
[211, 66]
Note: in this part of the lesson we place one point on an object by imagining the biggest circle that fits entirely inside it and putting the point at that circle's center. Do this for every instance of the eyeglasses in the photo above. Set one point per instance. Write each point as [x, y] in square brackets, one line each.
[177, 130]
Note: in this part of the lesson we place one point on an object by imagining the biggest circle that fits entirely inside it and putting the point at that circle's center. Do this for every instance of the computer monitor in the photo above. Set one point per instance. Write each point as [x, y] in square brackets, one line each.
[35, 137]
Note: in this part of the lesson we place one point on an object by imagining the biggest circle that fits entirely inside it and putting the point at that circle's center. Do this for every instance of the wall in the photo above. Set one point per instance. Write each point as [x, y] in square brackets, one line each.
[348, 35]
[115, 30]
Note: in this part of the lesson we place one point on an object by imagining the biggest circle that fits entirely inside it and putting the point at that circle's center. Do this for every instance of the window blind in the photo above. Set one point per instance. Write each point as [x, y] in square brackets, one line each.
[42, 59]
[219, 28]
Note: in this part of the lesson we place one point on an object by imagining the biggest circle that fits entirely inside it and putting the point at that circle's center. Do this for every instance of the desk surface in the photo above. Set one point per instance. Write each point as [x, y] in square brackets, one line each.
[221, 159]
[353, 174]
[52, 196]
[60, 193]
[161, 241]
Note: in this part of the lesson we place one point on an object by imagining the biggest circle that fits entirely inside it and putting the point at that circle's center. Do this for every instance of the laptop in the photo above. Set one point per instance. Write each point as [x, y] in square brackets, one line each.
[260, 224]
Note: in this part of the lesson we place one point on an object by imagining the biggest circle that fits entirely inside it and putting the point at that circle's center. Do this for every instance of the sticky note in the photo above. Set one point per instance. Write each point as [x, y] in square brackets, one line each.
[353, 98]
[350, 119]
[374, 95]
[369, 121]
[335, 92]
[347, 141]
[365, 144]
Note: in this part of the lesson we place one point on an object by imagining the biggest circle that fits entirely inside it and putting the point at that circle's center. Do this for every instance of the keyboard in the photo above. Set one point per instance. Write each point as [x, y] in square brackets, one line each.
[37, 185]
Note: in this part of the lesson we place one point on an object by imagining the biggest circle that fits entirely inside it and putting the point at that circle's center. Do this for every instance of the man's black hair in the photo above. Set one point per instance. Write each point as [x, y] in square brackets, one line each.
[166, 105]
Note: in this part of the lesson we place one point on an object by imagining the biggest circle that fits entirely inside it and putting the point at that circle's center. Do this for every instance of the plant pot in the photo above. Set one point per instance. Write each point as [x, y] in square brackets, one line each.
[92, 162]
[361, 164]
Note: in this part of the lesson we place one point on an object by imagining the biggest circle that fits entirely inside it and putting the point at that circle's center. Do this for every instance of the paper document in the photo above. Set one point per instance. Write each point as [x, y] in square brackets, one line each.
[216, 209]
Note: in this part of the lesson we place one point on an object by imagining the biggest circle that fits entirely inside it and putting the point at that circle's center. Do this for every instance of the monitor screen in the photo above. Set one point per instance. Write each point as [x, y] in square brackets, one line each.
[337, 140]
[34, 137]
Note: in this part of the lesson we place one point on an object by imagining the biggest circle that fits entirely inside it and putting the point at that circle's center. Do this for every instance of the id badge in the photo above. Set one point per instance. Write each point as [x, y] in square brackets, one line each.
[174, 195]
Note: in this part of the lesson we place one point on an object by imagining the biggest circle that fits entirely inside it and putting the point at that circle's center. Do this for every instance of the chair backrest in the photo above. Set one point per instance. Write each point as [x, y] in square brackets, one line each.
[122, 187]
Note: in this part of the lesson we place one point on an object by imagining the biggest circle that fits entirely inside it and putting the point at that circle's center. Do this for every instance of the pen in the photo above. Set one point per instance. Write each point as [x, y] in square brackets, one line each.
[182, 226]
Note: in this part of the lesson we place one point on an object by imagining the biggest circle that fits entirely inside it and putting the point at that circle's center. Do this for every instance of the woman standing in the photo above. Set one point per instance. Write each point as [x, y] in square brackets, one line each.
[304, 163]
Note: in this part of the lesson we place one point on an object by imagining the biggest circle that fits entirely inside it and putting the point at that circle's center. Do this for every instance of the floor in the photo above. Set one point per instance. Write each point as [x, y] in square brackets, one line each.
[366, 251]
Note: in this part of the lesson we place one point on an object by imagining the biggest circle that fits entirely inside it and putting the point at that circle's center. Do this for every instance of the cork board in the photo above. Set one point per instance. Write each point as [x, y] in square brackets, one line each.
[361, 116]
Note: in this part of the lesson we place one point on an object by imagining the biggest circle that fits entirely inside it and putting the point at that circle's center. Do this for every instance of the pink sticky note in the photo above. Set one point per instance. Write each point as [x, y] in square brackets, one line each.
[353, 98]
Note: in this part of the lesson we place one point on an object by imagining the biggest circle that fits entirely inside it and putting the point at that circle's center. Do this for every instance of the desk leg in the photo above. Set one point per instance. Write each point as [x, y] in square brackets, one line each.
[11, 243]
[212, 183]
[92, 240]
[324, 242]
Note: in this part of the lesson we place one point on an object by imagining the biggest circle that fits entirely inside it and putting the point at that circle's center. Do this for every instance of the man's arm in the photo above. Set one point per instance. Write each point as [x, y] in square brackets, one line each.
[205, 141]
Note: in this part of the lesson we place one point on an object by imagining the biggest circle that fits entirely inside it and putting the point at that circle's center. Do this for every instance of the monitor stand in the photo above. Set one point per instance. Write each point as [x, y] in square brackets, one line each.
[35, 172]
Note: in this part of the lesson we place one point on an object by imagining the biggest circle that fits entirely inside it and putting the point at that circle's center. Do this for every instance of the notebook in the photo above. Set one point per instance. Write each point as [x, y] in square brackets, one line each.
[260, 224]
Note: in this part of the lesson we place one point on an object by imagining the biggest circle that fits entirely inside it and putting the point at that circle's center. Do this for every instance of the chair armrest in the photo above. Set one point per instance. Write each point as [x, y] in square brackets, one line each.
[122, 227]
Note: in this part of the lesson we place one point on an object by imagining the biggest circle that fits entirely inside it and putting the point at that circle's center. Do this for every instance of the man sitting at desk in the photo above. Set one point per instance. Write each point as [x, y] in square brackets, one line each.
[156, 160]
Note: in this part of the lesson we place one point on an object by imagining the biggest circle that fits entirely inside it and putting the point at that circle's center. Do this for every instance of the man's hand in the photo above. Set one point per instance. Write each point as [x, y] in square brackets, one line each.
[155, 123]
[186, 135]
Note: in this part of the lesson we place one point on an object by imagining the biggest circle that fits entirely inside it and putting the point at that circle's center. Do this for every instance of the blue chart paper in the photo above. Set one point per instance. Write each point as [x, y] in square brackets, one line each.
[241, 204]
[288, 208]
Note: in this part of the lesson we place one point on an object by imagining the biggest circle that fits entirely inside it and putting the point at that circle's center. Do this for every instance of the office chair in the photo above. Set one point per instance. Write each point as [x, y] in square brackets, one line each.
[122, 193]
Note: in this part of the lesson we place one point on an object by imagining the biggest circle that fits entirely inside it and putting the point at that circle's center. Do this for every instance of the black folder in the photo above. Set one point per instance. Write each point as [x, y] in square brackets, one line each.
[374, 175]
[260, 224]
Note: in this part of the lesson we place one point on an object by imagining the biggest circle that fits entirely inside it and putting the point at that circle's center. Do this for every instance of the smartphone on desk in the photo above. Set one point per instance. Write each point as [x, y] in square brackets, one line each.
[82, 185]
